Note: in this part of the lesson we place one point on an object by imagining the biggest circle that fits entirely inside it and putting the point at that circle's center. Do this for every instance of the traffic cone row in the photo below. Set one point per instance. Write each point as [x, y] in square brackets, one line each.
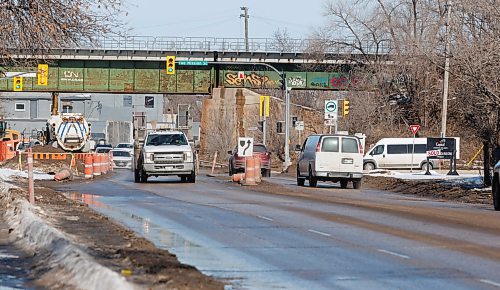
[97, 164]
[252, 175]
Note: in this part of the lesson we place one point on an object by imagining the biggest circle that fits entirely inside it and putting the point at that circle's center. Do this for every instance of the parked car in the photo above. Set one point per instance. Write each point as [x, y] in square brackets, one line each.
[121, 158]
[126, 146]
[495, 188]
[103, 149]
[237, 163]
[397, 153]
[335, 158]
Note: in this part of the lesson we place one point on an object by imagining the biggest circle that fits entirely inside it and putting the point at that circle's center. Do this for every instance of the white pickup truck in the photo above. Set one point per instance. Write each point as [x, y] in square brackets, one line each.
[166, 153]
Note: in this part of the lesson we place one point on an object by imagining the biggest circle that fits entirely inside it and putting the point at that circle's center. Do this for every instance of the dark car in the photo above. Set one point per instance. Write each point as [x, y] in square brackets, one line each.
[237, 163]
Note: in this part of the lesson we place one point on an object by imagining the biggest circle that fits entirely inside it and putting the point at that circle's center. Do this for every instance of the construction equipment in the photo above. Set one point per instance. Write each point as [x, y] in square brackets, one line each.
[70, 130]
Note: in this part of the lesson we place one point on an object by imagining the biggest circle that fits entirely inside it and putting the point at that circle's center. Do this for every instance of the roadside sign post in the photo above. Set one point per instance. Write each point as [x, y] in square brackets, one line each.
[414, 129]
[443, 148]
[331, 113]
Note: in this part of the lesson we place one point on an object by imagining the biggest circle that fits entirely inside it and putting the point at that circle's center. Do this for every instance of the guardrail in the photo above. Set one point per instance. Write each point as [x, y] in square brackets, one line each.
[210, 44]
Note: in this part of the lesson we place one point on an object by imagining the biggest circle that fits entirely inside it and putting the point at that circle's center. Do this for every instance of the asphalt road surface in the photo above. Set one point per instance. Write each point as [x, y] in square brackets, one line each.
[308, 238]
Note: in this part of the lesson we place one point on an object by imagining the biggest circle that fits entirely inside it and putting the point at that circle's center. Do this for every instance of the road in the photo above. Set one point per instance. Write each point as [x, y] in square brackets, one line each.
[308, 238]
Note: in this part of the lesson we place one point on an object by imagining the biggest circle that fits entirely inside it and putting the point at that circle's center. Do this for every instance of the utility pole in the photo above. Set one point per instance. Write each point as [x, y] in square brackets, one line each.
[444, 111]
[287, 128]
[245, 15]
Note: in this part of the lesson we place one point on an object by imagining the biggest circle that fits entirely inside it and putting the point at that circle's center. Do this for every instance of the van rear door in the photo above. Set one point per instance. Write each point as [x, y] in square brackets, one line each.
[328, 156]
[352, 155]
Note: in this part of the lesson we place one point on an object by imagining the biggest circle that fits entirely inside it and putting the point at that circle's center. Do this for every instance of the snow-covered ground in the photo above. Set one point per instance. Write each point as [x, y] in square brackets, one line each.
[7, 174]
[65, 260]
[467, 180]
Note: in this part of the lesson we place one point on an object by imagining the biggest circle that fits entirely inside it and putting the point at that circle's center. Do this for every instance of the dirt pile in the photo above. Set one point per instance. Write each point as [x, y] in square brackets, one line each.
[430, 188]
[43, 165]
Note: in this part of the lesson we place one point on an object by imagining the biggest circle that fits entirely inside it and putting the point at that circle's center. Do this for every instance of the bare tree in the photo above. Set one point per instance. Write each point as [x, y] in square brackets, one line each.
[34, 25]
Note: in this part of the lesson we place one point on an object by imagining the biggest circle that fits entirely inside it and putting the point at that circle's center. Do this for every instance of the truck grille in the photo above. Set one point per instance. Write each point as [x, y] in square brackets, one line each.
[169, 158]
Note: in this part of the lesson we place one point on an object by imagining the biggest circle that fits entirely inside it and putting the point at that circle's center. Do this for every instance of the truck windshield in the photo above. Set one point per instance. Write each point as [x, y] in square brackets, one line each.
[166, 139]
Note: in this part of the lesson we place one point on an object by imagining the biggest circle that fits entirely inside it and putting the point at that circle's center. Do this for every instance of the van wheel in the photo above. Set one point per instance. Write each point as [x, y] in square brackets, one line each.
[343, 183]
[495, 190]
[300, 180]
[356, 184]
[369, 166]
[424, 166]
[312, 180]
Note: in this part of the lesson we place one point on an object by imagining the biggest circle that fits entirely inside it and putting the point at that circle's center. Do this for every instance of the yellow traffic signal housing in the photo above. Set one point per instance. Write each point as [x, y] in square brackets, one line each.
[345, 108]
[43, 75]
[170, 65]
[18, 84]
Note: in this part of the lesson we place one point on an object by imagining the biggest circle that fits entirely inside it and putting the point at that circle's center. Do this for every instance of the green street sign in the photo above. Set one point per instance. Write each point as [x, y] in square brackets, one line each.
[192, 62]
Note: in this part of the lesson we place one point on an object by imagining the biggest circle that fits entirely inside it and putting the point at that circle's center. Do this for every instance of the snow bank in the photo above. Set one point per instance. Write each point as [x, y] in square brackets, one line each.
[66, 262]
[7, 173]
[462, 180]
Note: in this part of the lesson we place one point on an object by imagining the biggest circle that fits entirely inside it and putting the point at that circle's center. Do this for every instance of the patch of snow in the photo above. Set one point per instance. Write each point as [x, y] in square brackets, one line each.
[66, 261]
[462, 180]
[7, 173]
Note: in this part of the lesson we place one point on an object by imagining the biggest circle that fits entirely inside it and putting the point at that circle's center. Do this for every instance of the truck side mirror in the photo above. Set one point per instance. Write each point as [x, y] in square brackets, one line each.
[229, 152]
[298, 148]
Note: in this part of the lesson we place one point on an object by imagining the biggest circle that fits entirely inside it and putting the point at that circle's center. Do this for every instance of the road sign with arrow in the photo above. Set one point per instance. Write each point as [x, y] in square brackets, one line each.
[245, 147]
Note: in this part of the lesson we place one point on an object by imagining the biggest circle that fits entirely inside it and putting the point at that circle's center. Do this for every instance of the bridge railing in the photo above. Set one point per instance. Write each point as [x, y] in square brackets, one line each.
[209, 44]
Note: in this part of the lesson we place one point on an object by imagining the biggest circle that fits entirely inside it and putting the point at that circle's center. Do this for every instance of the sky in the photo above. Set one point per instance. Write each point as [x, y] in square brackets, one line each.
[221, 18]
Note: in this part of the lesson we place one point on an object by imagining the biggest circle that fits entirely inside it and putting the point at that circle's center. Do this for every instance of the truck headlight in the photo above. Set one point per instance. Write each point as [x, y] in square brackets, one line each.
[188, 156]
[150, 157]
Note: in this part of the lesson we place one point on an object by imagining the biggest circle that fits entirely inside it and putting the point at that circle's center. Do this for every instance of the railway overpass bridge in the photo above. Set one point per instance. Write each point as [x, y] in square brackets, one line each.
[137, 65]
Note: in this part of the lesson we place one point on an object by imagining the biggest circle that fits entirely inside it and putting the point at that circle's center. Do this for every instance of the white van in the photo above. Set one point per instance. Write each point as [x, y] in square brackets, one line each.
[397, 153]
[336, 158]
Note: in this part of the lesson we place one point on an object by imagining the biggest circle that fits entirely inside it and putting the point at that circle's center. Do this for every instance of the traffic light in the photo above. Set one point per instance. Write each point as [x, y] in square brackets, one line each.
[170, 65]
[260, 126]
[18, 84]
[345, 108]
[279, 127]
[283, 81]
[43, 74]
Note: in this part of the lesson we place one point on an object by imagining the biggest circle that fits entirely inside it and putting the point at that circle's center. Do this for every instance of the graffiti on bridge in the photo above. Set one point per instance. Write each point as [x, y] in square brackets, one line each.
[252, 80]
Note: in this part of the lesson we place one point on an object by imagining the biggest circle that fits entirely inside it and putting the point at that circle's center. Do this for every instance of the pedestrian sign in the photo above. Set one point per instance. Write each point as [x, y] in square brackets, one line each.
[331, 108]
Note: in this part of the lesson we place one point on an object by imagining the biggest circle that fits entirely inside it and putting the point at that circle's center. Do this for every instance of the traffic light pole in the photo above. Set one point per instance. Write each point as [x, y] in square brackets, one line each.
[264, 123]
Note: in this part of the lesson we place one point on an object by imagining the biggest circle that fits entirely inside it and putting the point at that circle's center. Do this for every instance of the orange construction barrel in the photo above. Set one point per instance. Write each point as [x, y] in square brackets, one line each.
[89, 173]
[96, 163]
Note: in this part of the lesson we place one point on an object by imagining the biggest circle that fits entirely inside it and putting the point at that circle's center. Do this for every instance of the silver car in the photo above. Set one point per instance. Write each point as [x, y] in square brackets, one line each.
[121, 158]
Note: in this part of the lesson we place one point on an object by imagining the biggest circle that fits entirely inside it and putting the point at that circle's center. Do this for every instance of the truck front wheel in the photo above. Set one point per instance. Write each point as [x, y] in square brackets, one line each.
[137, 175]
[192, 177]
[144, 176]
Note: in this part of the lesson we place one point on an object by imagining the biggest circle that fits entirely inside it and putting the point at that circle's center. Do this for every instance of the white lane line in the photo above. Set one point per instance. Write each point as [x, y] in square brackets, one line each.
[393, 253]
[319, 233]
[490, 282]
[265, 218]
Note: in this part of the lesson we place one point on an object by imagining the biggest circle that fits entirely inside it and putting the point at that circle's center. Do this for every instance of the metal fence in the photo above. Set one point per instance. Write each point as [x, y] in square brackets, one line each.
[262, 45]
